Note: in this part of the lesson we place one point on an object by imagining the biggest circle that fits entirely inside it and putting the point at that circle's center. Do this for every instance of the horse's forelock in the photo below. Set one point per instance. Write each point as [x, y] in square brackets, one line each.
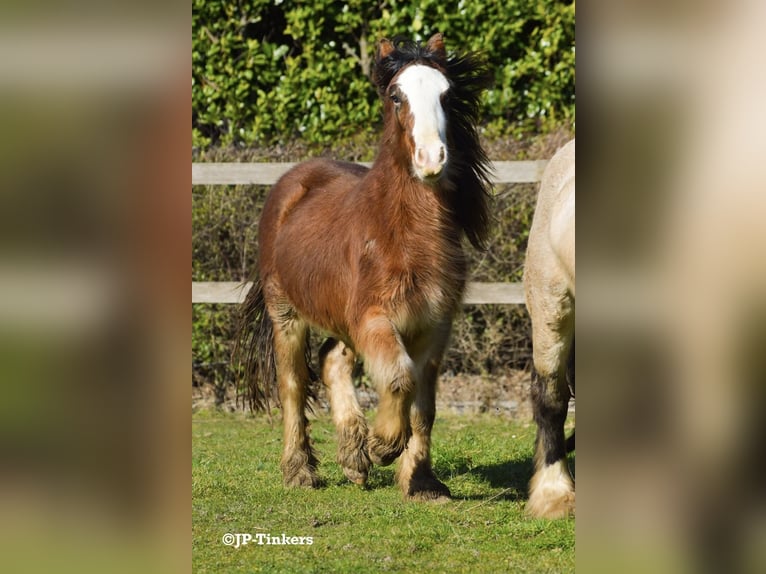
[405, 53]
[466, 72]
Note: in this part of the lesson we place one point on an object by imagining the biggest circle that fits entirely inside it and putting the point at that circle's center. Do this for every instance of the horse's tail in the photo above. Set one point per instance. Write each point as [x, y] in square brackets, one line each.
[254, 351]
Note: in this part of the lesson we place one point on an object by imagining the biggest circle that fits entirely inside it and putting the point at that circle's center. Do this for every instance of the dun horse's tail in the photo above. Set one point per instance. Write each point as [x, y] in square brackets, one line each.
[254, 351]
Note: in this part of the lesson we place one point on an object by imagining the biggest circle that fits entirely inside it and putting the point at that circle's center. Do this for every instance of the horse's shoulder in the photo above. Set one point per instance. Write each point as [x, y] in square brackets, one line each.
[561, 169]
[557, 185]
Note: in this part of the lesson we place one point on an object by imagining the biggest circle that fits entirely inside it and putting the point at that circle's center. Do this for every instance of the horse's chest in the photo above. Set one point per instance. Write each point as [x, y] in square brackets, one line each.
[424, 295]
[418, 282]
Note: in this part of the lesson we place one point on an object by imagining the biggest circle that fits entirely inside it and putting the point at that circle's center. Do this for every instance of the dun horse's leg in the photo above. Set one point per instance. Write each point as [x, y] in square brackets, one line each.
[551, 491]
[415, 475]
[391, 370]
[337, 367]
[298, 460]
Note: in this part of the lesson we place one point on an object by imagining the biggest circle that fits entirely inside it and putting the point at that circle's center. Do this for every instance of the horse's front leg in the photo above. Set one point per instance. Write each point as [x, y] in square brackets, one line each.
[551, 491]
[299, 462]
[392, 371]
[415, 475]
[337, 361]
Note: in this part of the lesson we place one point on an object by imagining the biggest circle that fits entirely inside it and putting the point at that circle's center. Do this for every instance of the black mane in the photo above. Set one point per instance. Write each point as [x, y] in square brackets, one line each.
[468, 75]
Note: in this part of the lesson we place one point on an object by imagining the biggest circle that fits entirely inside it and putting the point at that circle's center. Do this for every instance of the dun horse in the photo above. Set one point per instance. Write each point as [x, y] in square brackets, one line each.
[549, 282]
[374, 259]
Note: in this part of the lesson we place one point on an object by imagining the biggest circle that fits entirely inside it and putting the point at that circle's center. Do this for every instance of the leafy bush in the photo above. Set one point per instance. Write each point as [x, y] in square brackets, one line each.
[267, 72]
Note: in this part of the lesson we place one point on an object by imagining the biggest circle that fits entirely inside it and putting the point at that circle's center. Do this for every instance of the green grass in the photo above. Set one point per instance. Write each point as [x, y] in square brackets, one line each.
[485, 461]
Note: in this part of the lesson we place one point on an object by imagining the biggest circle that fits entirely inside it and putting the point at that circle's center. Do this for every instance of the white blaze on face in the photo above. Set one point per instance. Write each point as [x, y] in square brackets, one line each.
[423, 87]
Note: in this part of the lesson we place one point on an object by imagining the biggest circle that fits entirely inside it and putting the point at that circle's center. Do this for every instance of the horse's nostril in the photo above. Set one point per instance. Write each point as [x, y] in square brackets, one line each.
[425, 157]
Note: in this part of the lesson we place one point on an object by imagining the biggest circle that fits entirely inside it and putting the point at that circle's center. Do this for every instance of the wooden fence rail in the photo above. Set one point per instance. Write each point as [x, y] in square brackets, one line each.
[269, 173]
[476, 294]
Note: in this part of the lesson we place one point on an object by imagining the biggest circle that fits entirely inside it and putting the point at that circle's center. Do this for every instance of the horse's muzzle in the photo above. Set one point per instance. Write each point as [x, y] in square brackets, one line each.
[429, 161]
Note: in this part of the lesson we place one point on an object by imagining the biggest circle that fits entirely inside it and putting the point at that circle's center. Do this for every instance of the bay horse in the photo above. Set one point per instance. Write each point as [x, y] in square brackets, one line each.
[374, 259]
[549, 284]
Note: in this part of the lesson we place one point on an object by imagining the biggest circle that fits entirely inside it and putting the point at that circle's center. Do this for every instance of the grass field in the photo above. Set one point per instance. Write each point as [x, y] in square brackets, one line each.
[485, 461]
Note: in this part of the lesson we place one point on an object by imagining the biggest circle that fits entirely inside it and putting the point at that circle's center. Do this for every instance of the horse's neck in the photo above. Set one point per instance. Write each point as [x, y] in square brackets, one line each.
[396, 190]
[409, 212]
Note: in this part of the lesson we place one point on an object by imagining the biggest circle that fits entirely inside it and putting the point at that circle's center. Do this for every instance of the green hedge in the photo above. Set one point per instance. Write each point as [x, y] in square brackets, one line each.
[270, 72]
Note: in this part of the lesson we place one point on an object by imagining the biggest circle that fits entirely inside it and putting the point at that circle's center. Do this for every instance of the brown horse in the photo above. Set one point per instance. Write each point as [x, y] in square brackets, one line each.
[374, 259]
[549, 282]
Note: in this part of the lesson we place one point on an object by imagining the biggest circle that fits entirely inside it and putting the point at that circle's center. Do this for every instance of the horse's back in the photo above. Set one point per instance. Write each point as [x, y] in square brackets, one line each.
[321, 173]
[320, 182]
[327, 176]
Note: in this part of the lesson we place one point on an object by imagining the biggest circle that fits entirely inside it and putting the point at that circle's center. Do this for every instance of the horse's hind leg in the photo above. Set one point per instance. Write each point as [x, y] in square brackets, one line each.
[551, 491]
[337, 367]
[415, 475]
[298, 460]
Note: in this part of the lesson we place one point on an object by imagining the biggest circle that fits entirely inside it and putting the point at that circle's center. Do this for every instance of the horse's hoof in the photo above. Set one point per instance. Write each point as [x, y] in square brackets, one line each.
[355, 476]
[304, 477]
[428, 490]
[383, 453]
[551, 492]
[561, 506]
[352, 456]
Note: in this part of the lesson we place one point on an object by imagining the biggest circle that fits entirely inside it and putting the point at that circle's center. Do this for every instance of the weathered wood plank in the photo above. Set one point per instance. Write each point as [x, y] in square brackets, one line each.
[487, 293]
[269, 173]
[219, 291]
[477, 293]
[518, 171]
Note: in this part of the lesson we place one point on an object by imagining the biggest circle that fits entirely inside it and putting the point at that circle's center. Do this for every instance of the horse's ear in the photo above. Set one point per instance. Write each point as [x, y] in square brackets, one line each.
[385, 47]
[435, 45]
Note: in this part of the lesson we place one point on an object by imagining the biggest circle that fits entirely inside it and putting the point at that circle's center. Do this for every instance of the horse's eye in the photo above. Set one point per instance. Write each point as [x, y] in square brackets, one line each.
[396, 99]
